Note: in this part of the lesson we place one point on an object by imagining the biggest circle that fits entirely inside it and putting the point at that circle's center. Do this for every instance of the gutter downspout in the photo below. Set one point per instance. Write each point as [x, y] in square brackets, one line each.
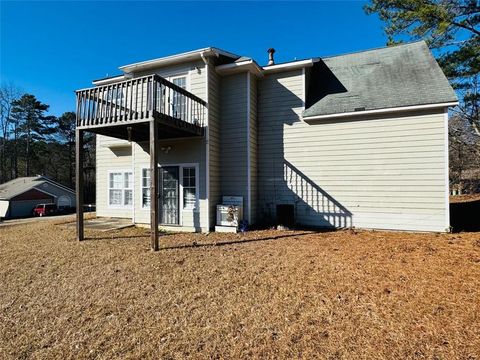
[207, 142]
[134, 182]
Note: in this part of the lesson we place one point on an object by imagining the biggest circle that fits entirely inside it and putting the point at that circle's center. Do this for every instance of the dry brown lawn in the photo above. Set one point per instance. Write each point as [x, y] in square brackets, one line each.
[464, 198]
[267, 294]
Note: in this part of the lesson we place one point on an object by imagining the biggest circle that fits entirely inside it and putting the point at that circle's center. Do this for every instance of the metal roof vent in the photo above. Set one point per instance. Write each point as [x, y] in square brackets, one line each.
[271, 61]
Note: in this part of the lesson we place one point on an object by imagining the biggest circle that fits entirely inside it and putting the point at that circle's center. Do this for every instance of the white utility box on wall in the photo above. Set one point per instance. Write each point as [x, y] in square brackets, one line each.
[229, 214]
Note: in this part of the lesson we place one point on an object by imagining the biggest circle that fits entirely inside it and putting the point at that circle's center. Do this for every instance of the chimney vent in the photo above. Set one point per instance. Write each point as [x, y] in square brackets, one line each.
[271, 61]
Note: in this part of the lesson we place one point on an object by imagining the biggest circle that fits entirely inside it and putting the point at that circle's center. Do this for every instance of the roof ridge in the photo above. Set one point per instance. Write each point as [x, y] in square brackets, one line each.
[374, 49]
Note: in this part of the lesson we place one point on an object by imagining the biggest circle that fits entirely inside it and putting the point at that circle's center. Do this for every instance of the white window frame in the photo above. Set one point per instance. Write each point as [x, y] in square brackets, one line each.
[123, 188]
[195, 206]
[147, 169]
[180, 175]
[185, 75]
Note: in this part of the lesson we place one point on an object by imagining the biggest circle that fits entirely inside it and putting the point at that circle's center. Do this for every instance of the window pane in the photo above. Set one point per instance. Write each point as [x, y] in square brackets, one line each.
[145, 177]
[189, 188]
[189, 199]
[128, 198]
[115, 197]
[128, 180]
[179, 102]
[181, 81]
[146, 187]
[146, 197]
[115, 180]
[188, 173]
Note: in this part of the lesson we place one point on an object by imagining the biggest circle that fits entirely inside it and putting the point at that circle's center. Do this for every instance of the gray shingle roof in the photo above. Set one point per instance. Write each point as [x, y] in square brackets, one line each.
[397, 76]
[19, 185]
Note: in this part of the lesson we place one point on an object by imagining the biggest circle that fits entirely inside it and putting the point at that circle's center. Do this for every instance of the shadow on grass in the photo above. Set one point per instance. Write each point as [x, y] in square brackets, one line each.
[116, 237]
[234, 242]
[210, 244]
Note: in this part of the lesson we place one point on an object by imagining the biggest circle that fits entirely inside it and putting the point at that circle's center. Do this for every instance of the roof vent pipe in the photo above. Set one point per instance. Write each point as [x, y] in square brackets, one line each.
[271, 61]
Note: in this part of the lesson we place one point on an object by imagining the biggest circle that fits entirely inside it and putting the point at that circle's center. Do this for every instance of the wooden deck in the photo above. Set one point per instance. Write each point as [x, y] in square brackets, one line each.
[124, 109]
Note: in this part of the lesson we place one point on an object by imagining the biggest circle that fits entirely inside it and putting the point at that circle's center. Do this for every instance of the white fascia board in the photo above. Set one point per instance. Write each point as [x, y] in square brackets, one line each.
[289, 66]
[109, 80]
[174, 59]
[380, 111]
[247, 65]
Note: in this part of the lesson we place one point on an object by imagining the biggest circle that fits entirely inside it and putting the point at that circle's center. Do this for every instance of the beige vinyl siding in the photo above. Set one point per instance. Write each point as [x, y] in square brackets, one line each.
[183, 151]
[234, 137]
[383, 172]
[187, 151]
[195, 72]
[214, 141]
[253, 148]
[110, 159]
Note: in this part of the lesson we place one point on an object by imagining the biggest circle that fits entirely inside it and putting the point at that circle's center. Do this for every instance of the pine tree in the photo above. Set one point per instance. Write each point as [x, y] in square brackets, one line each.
[31, 124]
[452, 28]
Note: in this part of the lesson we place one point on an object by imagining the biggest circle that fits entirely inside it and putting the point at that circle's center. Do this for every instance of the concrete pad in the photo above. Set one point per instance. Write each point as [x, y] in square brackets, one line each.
[103, 224]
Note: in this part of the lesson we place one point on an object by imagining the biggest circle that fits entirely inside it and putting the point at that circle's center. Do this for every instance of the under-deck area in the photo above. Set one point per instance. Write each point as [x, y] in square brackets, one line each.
[148, 108]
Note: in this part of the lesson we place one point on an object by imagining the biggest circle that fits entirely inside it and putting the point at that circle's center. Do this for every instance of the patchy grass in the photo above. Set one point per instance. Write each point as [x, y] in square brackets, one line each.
[268, 294]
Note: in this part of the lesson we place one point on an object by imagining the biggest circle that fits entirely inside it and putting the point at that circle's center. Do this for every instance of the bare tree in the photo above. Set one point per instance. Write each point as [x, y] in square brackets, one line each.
[8, 94]
[464, 155]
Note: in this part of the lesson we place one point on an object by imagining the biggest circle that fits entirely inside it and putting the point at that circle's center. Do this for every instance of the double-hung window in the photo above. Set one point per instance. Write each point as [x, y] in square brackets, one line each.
[120, 188]
[189, 183]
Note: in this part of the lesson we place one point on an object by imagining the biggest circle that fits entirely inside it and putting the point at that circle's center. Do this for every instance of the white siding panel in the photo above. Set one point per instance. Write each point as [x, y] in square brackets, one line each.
[194, 70]
[187, 151]
[110, 159]
[380, 172]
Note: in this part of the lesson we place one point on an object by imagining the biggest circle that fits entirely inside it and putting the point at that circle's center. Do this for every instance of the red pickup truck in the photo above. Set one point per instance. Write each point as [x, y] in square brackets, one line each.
[44, 209]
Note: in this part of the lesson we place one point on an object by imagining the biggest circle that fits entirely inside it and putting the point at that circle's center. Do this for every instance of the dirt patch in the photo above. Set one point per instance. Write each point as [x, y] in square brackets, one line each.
[269, 294]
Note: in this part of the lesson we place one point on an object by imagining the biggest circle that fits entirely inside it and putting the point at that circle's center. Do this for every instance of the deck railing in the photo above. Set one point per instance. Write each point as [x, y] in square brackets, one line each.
[138, 99]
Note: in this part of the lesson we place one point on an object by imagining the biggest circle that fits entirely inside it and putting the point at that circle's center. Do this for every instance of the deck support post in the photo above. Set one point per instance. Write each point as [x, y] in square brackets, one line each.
[154, 183]
[79, 182]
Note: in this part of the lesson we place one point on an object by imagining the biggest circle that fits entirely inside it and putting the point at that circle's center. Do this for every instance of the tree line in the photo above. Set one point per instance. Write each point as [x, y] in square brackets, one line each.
[35, 143]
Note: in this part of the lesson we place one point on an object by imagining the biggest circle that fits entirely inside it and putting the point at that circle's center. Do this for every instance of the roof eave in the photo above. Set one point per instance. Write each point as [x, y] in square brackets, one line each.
[247, 65]
[380, 111]
[175, 59]
[290, 66]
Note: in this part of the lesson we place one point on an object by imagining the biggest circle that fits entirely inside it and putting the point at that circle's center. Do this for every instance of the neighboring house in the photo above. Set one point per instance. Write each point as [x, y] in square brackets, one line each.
[19, 196]
[352, 140]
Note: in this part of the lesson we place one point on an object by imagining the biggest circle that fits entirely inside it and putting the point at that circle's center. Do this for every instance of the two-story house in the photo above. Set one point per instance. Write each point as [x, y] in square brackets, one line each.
[353, 140]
